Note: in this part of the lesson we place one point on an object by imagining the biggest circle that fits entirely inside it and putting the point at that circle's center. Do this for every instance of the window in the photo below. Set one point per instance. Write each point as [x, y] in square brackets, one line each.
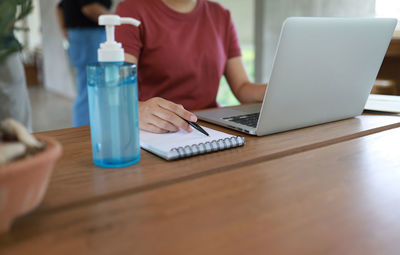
[388, 8]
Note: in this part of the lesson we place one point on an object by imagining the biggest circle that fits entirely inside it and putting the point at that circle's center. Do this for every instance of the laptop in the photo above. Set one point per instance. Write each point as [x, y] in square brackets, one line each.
[323, 71]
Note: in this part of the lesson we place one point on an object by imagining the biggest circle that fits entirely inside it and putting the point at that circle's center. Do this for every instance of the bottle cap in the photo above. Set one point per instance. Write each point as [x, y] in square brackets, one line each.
[112, 51]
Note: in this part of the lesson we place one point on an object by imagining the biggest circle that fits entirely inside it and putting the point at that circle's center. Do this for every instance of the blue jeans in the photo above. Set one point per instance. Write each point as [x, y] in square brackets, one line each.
[83, 45]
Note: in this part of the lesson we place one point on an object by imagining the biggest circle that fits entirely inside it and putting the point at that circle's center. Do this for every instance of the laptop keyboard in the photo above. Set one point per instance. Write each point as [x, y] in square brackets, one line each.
[246, 119]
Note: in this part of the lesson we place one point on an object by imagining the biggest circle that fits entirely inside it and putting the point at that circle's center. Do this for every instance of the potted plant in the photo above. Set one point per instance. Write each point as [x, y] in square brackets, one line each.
[26, 165]
[13, 91]
[26, 161]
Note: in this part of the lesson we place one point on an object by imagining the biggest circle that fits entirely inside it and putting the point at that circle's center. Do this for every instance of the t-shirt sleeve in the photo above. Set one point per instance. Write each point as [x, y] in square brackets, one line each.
[233, 40]
[129, 36]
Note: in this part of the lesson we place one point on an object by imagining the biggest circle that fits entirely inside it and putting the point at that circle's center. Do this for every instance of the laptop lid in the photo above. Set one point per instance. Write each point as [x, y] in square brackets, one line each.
[323, 71]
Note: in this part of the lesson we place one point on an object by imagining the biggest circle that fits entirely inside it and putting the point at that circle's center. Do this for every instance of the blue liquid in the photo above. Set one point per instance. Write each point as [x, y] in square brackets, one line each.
[114, 118]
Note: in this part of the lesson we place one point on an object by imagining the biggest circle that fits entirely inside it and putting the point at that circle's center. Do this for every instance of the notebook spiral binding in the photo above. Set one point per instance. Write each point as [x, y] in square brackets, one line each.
[201, 148]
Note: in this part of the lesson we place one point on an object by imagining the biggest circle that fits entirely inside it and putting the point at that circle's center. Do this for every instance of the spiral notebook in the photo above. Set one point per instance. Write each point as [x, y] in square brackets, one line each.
[182, 144]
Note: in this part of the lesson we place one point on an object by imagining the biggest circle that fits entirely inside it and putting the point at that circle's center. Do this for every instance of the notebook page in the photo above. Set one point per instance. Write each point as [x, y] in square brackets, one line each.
[383, 103]
[165, 142]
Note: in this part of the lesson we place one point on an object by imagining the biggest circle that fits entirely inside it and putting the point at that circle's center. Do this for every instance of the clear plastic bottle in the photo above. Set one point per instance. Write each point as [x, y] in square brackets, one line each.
[113, 102]
[114, 118]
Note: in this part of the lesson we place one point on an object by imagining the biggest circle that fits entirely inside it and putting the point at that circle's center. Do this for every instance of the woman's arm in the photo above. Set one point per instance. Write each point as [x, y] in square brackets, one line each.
[238, 80]
[159, 115]
[94, 10]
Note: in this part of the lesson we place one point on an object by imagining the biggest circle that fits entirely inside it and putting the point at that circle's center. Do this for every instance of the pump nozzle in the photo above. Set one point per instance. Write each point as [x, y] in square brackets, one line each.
[111, 51]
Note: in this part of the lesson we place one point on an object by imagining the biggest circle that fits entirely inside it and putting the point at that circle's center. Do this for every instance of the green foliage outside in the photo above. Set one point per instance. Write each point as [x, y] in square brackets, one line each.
[225, 96]
[11, 11]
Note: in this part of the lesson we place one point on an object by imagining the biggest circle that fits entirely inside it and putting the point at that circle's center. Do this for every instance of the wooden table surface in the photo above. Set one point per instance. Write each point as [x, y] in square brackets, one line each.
[77, 180]
[394, 47]
[327, 189]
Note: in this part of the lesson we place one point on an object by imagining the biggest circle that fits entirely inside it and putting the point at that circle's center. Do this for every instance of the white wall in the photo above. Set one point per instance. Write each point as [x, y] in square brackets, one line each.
[56, 70]
[31, 39]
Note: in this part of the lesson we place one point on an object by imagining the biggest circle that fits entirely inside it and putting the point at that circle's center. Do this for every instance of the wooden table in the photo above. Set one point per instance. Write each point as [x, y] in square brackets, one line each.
[327, 189]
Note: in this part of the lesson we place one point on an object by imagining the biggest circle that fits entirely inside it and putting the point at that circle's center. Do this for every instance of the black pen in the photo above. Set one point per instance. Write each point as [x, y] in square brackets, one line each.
[196, 126]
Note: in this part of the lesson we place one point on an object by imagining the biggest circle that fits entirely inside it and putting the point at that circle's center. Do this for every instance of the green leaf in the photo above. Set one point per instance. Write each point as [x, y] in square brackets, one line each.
[12, 47]
[11, 11]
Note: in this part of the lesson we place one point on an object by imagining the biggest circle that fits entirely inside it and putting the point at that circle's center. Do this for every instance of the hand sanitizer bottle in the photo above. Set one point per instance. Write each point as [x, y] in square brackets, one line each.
[113, 102]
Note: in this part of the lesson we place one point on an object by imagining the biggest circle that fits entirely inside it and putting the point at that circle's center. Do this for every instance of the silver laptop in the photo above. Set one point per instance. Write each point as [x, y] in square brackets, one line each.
[323, 71]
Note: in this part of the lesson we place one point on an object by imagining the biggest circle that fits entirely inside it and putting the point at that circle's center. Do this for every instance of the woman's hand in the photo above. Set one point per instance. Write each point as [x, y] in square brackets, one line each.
[159, 115]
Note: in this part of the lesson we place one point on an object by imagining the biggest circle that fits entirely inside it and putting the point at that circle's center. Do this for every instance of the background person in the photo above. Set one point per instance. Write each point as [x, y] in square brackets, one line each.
[78, 20]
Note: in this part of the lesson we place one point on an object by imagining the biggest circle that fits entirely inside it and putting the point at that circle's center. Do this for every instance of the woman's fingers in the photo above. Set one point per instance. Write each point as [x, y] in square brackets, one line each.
[160, 116]
[172, 118]
[163, 123]
[177, 109]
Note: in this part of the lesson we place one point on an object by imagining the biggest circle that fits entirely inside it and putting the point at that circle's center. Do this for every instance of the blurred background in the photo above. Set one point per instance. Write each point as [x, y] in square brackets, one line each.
[50, 76]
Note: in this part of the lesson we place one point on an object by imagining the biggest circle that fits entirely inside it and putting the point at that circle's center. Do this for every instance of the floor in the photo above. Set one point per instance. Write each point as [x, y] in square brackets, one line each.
[49, 110]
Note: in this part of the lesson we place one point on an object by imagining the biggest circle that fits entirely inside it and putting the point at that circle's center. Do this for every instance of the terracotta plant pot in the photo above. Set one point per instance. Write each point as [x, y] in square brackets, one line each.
[23, 183]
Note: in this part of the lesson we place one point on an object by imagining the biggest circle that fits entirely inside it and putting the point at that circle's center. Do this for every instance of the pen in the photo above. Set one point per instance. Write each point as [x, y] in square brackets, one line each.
[196, 126]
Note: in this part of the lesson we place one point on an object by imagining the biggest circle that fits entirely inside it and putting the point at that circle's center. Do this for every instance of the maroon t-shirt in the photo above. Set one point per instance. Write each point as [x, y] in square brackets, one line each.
[182, 56]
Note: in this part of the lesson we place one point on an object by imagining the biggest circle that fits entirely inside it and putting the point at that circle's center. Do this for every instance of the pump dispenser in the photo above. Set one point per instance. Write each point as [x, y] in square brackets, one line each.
[111, 51]
[113, 101]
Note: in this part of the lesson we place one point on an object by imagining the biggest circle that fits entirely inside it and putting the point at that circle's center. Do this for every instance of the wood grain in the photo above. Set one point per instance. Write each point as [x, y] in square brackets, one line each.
[338, 199]
[394, 47]
[77, 181]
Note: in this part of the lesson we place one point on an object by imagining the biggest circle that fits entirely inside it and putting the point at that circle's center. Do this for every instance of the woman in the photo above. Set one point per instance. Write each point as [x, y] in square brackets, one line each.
[182, 49]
